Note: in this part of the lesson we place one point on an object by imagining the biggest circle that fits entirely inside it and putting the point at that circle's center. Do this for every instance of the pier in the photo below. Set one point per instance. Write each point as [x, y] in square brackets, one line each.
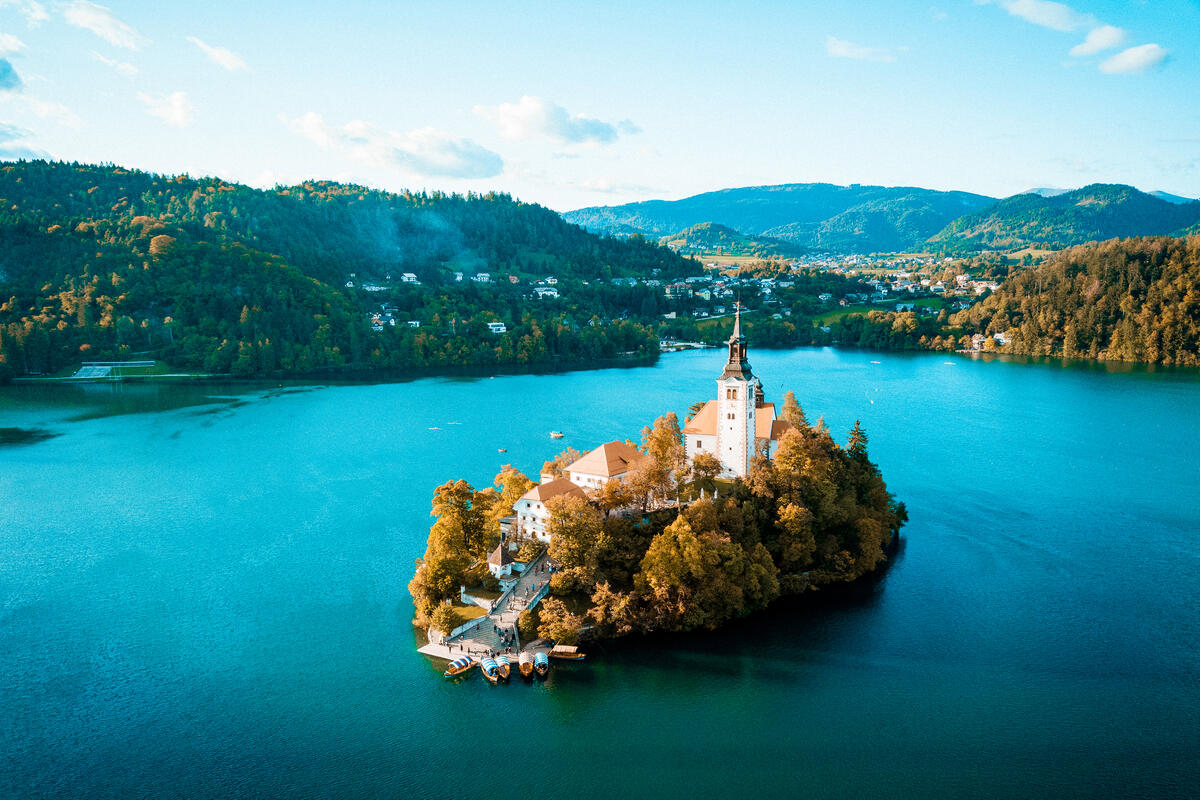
[489, 633]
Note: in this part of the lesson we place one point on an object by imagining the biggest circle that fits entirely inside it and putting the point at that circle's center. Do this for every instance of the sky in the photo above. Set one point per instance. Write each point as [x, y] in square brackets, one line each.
[578, 104]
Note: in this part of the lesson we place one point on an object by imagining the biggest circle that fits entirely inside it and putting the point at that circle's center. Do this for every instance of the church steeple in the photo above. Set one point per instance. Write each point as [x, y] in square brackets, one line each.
[737, 366]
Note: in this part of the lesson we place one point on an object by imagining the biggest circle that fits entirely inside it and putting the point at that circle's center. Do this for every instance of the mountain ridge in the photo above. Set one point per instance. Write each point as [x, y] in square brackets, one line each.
[864, 218]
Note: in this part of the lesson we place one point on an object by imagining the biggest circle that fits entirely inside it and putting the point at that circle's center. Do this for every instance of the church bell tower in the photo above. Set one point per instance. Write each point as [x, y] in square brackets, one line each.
[738, 392]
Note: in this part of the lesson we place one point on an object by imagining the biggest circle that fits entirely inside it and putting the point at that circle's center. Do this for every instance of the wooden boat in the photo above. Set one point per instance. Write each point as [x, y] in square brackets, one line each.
[501, 449]
[525, 665]
[567, 652]
[490, 669]
[556, 434]
[541, 664]
[504, 667]
[458, 666]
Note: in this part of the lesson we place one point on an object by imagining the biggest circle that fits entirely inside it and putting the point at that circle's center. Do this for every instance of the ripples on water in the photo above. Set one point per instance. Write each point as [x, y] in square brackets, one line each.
[202, 593]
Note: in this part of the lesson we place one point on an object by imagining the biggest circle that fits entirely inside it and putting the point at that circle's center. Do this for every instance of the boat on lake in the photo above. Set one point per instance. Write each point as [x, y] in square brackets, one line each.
[501, 449]
[458, 666]
[525, 665]
[557, 434]
[541, 664]
[505, 669]
[490, 669]
[567, 652]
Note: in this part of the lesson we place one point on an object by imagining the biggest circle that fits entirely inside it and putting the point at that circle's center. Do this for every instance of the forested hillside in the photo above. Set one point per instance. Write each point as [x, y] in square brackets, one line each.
[1093, 213]
[1122, 300]
[1132, 300]
[711, 237]
[104, 262]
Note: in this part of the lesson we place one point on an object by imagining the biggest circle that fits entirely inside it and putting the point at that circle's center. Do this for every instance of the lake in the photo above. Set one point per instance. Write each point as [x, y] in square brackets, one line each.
[203, 593]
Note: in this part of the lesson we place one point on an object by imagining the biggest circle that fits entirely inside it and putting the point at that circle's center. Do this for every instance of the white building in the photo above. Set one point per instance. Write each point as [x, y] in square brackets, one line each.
[610, 461]
[497, 327]
[531, 510]
[739, 423]
[409, 277]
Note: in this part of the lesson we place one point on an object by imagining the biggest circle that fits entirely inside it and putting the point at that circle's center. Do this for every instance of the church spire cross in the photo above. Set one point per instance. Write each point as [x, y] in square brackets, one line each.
[737, 366]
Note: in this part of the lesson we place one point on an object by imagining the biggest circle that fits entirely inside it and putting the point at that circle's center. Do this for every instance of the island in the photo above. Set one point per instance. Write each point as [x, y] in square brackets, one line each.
[695, 527]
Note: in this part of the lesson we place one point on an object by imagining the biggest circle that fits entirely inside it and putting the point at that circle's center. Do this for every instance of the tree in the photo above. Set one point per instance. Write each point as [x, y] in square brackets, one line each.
[857, 446]
[444, 618]
[612, 612]
[561, 461]
[705, 469]
[793, 413]
[557, 623]
[576, 537]
[511, 484]
[664, 443]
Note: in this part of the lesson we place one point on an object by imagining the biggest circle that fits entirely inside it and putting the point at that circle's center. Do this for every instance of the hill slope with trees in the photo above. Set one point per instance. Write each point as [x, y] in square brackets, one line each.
[104, 262]
[1135, 300]
[1093, 213]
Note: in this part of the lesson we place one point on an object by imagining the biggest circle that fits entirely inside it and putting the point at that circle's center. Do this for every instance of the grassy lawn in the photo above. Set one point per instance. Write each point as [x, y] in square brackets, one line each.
[466, 613]
[887, 305]
[839, 312]
[484, 594]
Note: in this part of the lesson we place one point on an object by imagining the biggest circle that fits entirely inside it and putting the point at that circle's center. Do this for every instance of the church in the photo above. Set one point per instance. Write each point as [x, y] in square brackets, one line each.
[739, 424]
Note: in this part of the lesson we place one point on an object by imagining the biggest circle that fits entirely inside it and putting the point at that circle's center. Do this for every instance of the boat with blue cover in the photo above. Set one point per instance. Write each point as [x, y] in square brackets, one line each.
[490, 669]
[504, 666]
[459, 666]
[541, 664]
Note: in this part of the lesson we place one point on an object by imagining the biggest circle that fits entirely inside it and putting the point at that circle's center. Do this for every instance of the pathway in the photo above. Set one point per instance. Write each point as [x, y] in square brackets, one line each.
[503, 617]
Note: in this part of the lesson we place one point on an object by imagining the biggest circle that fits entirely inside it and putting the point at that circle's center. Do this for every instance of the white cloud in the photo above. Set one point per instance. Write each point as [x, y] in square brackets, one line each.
[609, 186]
[174, 109]
[41, 108]
[101, 21]
[14, 143]
[1134, 59]
[532, 117]
[840, 48]
[424, 152]
[33, 11]
[220, 55]
[1098, 40]
[10, 44]
[1048, 14]
[121, 67]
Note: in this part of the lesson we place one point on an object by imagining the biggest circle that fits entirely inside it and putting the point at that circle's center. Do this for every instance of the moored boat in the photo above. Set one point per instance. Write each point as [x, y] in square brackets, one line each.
[505, 669]
[458, 666]
[567, 652]
[541, 664]
[525, 665]
[490, 669]
[556, 434]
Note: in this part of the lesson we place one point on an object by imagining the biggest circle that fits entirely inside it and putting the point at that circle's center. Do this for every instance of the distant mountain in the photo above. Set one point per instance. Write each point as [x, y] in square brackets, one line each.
[822, 216]
[1046, 191]
[1096, 212]
[712, 237]
[1172, 198]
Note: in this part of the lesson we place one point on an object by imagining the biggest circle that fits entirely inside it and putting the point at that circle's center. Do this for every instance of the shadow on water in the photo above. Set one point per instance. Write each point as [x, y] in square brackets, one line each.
[766, 644]
[82, 402]
[18, 436]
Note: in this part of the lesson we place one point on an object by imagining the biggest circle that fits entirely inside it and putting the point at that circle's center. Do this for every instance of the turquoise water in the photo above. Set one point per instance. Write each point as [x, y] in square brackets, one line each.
[202, 593]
